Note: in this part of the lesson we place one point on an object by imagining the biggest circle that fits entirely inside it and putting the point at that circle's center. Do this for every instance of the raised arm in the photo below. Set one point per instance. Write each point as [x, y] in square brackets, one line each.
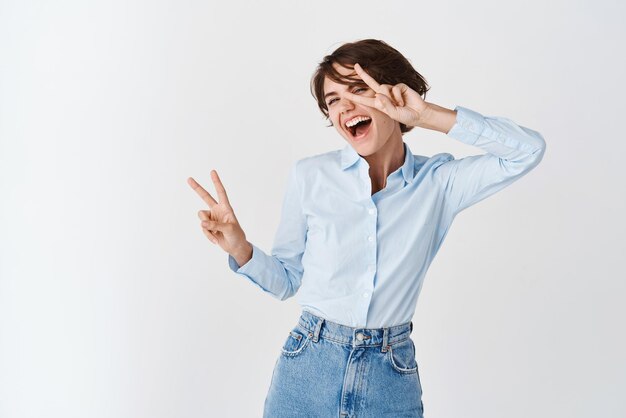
[512, 151]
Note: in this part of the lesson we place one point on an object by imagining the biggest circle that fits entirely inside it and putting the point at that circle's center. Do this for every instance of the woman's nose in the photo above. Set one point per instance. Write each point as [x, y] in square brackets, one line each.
[345, 104]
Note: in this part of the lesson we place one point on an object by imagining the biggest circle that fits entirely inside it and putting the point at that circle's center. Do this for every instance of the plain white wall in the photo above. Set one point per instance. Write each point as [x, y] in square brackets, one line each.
[114, 304]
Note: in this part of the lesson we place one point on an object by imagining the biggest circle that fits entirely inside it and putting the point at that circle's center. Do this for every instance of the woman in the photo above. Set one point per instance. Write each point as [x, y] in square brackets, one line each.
[359, 229]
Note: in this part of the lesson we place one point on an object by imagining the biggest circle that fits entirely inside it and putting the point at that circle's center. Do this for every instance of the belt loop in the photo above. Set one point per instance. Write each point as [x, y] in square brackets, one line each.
[318, 327]
[385, 340]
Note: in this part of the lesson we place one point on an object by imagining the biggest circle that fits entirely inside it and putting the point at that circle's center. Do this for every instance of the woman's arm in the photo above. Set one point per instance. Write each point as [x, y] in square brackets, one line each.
[512, 151]
[280, 274]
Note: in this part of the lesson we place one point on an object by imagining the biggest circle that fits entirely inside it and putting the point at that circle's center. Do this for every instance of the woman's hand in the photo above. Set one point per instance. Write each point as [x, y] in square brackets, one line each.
[219, 223]
[399, 102]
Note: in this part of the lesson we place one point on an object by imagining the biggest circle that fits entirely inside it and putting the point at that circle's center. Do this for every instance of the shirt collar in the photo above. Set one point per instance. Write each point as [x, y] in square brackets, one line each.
[349, 157]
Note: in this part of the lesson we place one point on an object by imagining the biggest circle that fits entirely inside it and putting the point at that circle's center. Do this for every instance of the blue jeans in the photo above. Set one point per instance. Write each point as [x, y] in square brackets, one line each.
[327, 369]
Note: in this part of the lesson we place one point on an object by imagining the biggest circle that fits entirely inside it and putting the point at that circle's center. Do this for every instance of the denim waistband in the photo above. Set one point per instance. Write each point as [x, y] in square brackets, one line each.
[319, 327]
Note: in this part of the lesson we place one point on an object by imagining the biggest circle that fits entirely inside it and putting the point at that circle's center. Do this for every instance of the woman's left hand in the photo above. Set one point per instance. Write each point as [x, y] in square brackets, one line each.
[399, 102]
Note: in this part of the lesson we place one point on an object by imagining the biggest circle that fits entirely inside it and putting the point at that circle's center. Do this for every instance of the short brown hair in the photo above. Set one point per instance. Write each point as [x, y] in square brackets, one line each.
[384, 63]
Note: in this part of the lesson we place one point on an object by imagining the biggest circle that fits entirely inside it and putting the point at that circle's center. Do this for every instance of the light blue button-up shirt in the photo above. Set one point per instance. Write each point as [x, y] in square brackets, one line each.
[360, 259]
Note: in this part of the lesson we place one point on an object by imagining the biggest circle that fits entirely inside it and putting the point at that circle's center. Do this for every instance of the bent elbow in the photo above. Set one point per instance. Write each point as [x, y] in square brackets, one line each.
[537, 155]
[292, 285]
[530, 160]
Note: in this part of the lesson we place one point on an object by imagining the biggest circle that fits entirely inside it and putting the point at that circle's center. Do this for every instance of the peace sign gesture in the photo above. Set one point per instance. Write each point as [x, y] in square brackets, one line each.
[399, 102]
[219, 223]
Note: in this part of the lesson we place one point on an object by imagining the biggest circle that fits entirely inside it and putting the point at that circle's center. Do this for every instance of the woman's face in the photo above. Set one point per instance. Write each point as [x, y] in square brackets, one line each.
[373, 129]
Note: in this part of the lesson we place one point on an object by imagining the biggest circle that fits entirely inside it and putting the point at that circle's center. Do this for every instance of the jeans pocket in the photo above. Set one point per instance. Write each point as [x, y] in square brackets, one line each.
[297, 340]
[401, 355]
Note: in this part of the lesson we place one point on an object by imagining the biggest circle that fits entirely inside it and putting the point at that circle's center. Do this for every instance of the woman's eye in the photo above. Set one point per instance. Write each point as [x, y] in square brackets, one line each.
[356, 90]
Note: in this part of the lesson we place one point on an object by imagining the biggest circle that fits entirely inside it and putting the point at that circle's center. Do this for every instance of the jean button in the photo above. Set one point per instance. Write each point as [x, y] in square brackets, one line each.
[359, 336]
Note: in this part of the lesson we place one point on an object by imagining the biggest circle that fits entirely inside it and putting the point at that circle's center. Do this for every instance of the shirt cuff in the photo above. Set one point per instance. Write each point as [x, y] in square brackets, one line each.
[252, 268]
[469, 125]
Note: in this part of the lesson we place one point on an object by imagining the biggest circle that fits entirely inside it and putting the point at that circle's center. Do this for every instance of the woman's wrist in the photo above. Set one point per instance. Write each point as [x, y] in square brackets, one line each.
[243, 254]
[437, 118]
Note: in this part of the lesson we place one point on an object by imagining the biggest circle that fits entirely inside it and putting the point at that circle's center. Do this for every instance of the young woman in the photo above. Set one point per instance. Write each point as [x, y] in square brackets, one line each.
[359, 229]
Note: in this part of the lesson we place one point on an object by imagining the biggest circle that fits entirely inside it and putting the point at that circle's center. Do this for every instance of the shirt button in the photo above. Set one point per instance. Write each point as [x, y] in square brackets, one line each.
[370, 238]
[365, 294]
[359, 336]
[371, 211]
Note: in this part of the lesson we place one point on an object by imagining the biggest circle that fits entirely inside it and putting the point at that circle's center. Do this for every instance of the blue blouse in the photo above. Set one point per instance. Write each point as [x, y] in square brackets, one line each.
[360, 259]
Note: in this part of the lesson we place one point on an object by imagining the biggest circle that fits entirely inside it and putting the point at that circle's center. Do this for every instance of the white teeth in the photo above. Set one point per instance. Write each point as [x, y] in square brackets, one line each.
[356, 120]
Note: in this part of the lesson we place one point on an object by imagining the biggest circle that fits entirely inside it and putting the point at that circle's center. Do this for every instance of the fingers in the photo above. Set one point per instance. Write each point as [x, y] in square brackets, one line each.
[210, 228]
[215, 226]
[206, 196]
[385, 104]
[204, 215]
[364, 100]
[396, 93]
[201, 192]
[210, 236]
[373, 84]
[221, 192]
[380, 102]
[387, 97]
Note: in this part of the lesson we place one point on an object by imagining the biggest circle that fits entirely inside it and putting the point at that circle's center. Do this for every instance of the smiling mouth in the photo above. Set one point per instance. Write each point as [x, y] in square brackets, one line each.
[360, 129]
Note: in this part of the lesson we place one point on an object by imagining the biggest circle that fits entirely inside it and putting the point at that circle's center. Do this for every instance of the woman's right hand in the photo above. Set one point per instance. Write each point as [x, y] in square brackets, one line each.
[219, 223]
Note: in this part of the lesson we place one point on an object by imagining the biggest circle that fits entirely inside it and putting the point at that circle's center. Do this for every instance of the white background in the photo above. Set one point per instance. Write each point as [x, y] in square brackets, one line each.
[114, 304]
